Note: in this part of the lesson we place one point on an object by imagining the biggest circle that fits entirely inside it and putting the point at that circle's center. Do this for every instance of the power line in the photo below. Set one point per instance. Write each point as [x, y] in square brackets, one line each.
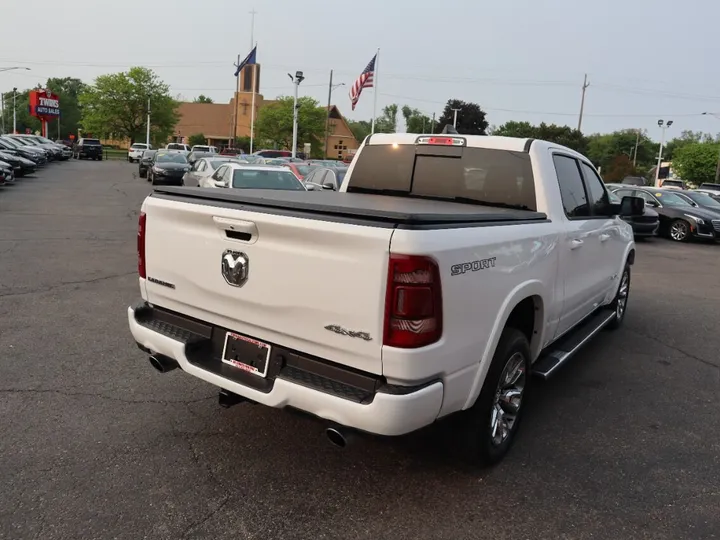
[600, 115]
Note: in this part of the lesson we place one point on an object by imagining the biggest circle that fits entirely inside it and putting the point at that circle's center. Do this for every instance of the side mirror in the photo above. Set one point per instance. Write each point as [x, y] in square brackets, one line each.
[632, 206]
[652, 203]
[219, 183]
[329, 186]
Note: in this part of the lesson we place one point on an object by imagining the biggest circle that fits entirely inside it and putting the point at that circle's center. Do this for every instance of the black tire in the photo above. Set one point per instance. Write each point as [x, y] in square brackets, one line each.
[617, 304]
[142, 174]
[482, 448]
[130, 159]
[675, 228]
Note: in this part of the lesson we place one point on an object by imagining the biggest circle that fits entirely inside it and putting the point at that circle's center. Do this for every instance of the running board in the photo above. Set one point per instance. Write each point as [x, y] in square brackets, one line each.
[568, 345]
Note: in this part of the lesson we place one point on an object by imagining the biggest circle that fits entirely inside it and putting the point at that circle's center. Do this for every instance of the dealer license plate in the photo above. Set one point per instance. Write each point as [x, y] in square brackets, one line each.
[246, 353]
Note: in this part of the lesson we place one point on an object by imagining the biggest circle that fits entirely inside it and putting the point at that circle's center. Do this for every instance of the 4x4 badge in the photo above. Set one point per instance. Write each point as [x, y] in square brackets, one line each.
[350, 333]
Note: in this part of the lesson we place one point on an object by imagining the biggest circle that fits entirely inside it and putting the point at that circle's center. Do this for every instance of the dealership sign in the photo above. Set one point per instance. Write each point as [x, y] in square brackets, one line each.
[44, 104]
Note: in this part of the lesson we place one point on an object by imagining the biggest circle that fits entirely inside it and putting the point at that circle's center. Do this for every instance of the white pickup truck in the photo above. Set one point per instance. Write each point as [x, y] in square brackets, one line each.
[446, 270]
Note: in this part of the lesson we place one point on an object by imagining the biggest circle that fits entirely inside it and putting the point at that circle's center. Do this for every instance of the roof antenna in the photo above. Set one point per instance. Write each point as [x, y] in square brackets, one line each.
[449, 130]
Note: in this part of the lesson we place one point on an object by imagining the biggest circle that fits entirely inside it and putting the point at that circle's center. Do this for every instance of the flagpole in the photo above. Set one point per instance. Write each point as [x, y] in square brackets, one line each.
[375, 84]
[252, 106]
[236, 104]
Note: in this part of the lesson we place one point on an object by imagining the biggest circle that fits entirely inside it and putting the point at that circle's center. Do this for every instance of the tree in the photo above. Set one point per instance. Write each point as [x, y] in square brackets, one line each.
[203, 99]
[416, 121]
[23, 119]
[275, 122]
[516, 129]
[696, 162]
[196, 138]
[387, 121]
[686, 137]
[116, 105]
[470, 118]
[69, 90]
[565, 135]
[360, 129]
[602, 149]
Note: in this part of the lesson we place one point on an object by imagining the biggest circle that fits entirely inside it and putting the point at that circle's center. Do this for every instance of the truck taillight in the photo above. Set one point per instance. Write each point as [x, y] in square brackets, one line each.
[141, 245]
[413, 302]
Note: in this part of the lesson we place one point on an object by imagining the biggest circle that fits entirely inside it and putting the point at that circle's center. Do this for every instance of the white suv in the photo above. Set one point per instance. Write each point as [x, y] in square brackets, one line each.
[136, 151]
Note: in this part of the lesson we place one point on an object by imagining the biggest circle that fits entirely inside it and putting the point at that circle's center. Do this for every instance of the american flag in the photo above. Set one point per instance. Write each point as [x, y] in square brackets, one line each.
[365, 80]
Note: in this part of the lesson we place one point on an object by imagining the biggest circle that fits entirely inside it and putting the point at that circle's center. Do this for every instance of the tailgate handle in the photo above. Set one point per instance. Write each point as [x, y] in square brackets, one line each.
[237, 229]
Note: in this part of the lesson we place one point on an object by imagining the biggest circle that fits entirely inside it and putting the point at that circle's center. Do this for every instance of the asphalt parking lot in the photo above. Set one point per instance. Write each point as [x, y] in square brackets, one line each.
[94, 444]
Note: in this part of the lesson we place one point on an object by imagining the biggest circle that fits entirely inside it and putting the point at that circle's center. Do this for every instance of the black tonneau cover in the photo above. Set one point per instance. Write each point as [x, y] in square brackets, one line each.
[382, 208]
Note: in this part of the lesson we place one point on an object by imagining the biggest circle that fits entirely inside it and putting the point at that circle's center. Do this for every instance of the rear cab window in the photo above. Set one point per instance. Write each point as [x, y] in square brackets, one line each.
[462, 173]
[91, 142]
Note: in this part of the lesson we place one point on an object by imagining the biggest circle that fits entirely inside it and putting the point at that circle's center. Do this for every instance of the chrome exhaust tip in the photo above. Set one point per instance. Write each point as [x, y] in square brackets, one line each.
[338, 437]
[162, 364]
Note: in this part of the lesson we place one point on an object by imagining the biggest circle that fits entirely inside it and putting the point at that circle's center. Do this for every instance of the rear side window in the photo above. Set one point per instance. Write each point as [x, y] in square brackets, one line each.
[572, 191]
[481, 174]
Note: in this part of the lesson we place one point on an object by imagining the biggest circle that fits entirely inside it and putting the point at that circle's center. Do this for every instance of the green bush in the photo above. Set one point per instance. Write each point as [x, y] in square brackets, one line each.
[197, 138]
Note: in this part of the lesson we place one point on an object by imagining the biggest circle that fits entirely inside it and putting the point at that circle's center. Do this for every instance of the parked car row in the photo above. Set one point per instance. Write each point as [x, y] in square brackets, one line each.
[677, 214]
[22, 154]
[202, 168]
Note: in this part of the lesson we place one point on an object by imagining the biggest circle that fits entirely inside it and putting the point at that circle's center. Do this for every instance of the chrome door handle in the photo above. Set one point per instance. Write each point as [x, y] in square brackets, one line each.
[574, 244]
[604, 237]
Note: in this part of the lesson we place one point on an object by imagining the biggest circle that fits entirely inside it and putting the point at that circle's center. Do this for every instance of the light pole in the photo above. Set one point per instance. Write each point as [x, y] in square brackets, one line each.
[717, 169]
[147, 134]
[331, 87]
[663, 126]
[11, 68]
[296, 81]
[14, 112]
[455, 111]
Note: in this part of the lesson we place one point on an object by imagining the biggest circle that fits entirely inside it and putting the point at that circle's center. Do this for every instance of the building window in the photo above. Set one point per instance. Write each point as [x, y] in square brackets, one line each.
[340, 141]
[336, 147]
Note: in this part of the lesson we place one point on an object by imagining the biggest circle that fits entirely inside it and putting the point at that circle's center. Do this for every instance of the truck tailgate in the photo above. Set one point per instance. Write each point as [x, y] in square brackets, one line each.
[303, 275]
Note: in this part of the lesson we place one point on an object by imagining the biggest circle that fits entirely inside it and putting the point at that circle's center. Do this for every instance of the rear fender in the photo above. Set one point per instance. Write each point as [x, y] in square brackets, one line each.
[517, 295]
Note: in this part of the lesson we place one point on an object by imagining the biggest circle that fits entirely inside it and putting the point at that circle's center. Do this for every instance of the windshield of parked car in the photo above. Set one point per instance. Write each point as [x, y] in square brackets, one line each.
[305, 169]
[12, 142]
[91, 142]
[703, 199]
[254, 179]
[24, 141]
[215, 163]
[472, 175]
[171, 158]
[670, 199]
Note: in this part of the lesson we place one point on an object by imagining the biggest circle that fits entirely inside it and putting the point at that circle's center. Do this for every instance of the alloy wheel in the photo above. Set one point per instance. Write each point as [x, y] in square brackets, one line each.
[508, 399]
[622, 298]
[679, 231]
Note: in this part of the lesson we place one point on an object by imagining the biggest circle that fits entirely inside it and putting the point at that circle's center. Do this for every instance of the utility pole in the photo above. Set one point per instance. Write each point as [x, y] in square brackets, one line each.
[637, 143]
[582, 101]
[147, 134]
[2, 113]
[327, 119]
[455, 111]
[14, 112]
[331, 87]
[432, 126]
[296, 81]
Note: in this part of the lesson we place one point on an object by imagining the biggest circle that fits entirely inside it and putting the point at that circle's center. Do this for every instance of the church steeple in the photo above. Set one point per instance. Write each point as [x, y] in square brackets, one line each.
[246, 78]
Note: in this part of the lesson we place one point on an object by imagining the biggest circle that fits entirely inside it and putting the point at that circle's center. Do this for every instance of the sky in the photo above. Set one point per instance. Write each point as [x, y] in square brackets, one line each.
[519, 59]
